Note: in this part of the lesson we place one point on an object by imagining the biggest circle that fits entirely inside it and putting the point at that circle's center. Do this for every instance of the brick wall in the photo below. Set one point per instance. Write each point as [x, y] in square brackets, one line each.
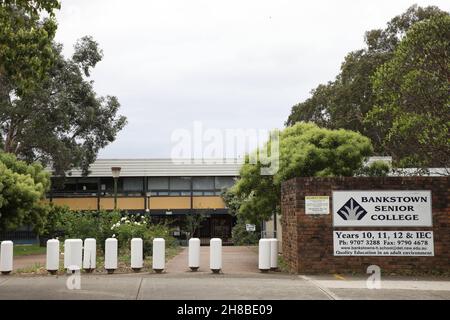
[308, 239]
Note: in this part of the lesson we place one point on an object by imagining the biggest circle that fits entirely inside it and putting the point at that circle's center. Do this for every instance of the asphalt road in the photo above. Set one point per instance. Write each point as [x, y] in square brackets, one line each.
[200, 286]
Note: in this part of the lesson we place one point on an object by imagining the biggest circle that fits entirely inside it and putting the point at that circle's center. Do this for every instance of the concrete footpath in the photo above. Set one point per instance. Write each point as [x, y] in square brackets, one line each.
[240, 280]
[206, 286]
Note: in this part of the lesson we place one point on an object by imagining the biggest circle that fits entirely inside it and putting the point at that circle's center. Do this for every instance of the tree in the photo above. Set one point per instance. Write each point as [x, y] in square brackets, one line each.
[194, 221]
[242, 237]
[239, 233]
[62, 122]
[346, 101]
[412, 107]
[25, 44]
[305, 150]
[22, 193]
[375, 169]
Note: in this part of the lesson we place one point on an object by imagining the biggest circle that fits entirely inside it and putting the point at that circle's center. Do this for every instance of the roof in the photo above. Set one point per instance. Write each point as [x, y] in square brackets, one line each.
[188, 167]
[378, 158]
[163, 167]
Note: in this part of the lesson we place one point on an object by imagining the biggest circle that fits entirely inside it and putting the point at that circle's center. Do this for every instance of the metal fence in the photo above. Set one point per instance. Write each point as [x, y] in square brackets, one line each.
[20, 237]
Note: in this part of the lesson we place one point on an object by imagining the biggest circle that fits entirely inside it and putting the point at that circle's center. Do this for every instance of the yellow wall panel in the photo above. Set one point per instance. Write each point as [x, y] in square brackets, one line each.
[168, 203]
[122, 203]
[77, 203]
[208, 203]
[155, 203]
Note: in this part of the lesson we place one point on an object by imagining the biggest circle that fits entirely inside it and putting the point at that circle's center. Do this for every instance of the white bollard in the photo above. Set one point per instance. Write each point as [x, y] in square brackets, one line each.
[194, 254]
[273, 254]
[52, 256]
[159, 254]
[264, 255]
[6, 257]
[215, 255]
[137, 254]
[110, 255]
[90, 255]
[73, 253]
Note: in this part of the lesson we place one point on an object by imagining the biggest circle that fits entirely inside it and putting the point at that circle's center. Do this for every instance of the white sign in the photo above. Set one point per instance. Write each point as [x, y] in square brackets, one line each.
[317, 205]
[384, 243]
[382, 208]
[250, 227]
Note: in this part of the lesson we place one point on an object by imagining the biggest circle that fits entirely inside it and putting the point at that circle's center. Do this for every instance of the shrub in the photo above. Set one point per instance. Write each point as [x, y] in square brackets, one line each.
[243, 237]
[54, 226]
[129, 227]
[67, 224]
[22, 193]
[375, 169]
[303, 150]
[101, 225]
[193, 222]
[86, 224]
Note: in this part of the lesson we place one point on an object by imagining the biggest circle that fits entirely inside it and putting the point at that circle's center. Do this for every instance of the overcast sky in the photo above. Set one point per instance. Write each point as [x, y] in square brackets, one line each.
[229, 63]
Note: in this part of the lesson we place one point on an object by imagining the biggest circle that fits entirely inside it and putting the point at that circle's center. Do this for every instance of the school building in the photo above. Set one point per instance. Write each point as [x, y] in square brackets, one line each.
[166, 190]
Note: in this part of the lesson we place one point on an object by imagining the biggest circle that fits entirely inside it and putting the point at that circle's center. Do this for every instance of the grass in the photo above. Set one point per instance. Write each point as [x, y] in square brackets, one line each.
[37, 268]
[28, 250]
[282, 265]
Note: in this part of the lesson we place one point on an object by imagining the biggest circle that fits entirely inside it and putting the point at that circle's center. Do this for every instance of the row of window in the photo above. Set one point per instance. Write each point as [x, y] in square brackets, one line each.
[155, 185]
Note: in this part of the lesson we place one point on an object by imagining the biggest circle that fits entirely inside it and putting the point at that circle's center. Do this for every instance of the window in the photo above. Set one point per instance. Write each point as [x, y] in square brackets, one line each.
[224, 182]
[107, 185]
[87, 185]
[70, 187]
[61, 185]
[203, 183]
[158, 183]
[132, 184]
[180, 183]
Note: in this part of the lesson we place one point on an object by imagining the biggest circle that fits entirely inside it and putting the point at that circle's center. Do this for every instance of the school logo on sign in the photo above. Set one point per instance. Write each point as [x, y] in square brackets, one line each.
[352, 210]
[367, 208]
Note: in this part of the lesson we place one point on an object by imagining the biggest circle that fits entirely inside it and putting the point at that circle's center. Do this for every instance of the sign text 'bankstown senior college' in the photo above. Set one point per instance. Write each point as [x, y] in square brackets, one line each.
[382, 209]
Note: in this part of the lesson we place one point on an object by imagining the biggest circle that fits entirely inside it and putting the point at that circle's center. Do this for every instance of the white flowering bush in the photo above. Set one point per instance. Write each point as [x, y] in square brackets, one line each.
[129, 227]
[105, 224]
[86, 224]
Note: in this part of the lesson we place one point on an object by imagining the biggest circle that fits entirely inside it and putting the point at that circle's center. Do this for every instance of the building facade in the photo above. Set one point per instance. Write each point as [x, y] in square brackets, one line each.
[165, 190]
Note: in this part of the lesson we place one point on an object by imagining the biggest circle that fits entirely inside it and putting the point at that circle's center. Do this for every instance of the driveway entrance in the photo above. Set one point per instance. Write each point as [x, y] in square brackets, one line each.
[235, 260]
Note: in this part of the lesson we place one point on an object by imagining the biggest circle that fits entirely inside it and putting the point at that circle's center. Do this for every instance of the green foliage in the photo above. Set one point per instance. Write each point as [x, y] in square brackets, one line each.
[22, 193]
[102, 225]
[54, 223]
[73, 122]
[375, 169]
[346, 101]
[193, 222]
[87, 224]
[242, 237]
[131, 227]
[309, 151]
[25, 43]
[239, 234]
[412, 97]
[305, 151]
[33, 7]
[49, 111]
